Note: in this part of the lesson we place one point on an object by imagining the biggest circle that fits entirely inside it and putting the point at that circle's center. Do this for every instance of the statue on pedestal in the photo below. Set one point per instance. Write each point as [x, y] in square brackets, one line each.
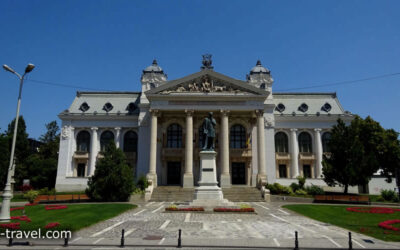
[208, 130]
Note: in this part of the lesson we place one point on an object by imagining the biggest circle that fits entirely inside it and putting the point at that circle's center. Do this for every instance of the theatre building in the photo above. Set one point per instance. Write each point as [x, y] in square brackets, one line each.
[261, 136]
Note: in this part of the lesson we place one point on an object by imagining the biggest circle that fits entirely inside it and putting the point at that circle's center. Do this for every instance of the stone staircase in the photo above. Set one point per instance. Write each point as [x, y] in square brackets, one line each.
[177, 193]
[172, 193]
[237, 194]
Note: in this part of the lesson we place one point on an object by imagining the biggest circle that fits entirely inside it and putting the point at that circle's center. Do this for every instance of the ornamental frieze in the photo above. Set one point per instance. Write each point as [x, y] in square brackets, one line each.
[204, 85]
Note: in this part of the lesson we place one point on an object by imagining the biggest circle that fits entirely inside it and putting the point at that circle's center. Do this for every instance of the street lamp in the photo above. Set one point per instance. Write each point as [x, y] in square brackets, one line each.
[7, 194]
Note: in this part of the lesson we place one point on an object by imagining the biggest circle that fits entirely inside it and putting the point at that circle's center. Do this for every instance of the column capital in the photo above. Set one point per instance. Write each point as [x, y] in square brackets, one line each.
[117, 128]
[225, 112]
[72, 128]
[318, 130]
[189, 112]
[94, 128]
[259, 112]
[155, 112]
[293, 129]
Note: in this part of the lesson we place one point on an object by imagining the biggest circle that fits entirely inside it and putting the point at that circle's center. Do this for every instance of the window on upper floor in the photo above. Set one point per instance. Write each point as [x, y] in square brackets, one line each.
[281, 143]
[174, 136]
[106, 138]
[326, 107]
[130, 141]
[326, 137]
[238, 136]
[303, 107]
[280, 107]
[108, 107]
[84, 107]
[83, 141]
[305, 142]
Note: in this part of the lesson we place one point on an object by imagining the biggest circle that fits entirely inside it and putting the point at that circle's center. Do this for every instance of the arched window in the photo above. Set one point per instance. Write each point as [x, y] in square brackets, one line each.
[83, 141]
[281, 143]
[130, 141]
[305, 142]
[105, 139]
[174, 136]
[326, 137]
[238, 136]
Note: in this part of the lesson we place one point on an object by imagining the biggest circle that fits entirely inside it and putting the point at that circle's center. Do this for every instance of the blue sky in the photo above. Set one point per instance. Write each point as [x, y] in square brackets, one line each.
[107, 44]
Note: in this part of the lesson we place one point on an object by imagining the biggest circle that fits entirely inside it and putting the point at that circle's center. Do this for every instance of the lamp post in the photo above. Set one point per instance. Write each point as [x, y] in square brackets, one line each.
[7, 193]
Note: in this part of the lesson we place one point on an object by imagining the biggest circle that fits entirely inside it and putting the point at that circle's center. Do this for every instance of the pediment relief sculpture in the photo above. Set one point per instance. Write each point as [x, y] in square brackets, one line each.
[204, 85]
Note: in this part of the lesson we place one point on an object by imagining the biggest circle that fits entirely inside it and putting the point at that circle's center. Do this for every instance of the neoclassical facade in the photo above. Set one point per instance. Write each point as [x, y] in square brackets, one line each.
[261, 136]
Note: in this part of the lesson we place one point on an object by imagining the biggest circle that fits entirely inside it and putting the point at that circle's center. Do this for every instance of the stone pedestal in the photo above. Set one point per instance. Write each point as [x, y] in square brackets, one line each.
[188, 180]
[208, 193]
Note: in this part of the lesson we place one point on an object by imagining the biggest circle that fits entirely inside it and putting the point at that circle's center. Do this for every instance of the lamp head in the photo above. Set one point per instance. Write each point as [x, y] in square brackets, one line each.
[29, 68]
[7, 68]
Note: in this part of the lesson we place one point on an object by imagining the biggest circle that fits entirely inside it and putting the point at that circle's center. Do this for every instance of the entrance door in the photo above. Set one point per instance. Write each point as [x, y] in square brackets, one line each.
[173, 173]
[307, 171]
[238, 173]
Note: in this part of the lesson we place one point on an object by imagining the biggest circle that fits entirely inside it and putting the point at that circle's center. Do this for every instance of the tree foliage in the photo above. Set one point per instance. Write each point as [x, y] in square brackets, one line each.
[357, 152]
[4, 159]
[113, 177]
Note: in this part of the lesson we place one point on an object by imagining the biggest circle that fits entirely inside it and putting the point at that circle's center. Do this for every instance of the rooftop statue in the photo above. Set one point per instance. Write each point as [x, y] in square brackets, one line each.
[208, 130]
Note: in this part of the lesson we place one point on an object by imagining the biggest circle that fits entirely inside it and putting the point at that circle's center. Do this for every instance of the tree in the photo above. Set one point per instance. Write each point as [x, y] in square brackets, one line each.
[113, 178]
[22, 149]
[355, 153]
[4, 159]
[42, 166]
[390, 154]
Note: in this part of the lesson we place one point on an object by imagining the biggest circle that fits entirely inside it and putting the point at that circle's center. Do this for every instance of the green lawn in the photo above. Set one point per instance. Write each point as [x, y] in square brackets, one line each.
[73, 218]
[365, 223]
[16, 197]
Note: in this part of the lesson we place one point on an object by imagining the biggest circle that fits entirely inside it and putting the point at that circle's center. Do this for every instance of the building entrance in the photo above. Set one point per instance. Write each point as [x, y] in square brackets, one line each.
[238, 173]
[174, 173]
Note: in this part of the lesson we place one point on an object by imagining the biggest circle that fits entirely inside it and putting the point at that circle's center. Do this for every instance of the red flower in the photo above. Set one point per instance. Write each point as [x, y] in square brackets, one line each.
[16, 208]
[387, 225]
[22, 218]
[223, 209]
[372, 210]
[11, 225]
[55, 207]
[30, 204]
[51, 225]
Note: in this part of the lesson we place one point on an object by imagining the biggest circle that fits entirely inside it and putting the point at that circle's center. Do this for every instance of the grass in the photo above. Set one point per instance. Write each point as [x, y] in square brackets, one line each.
[364, 223]
[16, 197]
[73, 218]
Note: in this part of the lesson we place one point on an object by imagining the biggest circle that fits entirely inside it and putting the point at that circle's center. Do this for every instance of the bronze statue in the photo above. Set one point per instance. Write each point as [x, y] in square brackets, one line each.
[208, 130]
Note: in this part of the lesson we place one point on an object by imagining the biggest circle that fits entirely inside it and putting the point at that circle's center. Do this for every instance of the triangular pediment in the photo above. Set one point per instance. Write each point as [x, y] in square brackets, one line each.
[206, 82]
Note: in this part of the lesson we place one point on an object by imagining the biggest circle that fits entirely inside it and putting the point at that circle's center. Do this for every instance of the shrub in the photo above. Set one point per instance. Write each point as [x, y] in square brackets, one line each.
[294, 186]
[314, 190]
[46, 191]
[113, 177]
[31, 195]
[388, 195]
[142, 182]
[301, 192]
[277, 188]
[380, 198]
[396, 199]
[302, 181]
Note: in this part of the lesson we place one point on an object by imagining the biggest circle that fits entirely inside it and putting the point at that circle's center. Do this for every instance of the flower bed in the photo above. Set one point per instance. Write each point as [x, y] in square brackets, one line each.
[16, 208]
[237, 210]
[373, 210]
[388, 225]
[195, 209]
[52, 225]
[11, 225]
[55, 207]
[21, 218]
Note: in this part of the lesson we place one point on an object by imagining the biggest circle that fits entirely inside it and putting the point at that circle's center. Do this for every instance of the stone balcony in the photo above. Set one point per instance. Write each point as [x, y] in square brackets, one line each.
[172, 152]
[282, 156]
[81, 155]
[240, 152]
[306, 156]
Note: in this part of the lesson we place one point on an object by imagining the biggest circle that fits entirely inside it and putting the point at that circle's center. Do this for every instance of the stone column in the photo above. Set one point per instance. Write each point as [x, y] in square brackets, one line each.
[117, 136]
[93, 151]
[71, 149]
[152, 175]
[224, 145]
[294, 153]
[318, 152]
[262, 172]
[188, 176]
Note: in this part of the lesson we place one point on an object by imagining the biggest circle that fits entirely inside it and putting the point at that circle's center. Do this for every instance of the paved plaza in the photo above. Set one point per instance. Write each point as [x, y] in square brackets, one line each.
[271, 226]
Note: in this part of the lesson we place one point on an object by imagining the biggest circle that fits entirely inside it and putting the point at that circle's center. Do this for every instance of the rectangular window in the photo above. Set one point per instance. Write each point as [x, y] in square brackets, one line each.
[80, 171]
[282, 171]
[307, 171]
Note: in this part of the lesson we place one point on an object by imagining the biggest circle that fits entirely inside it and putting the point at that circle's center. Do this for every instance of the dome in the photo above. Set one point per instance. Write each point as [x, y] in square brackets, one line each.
[154, 68]
[259, 69]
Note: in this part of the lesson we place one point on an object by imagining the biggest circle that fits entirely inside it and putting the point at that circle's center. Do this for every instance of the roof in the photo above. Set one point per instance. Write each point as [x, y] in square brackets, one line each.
[314, 103]
[96, 102]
